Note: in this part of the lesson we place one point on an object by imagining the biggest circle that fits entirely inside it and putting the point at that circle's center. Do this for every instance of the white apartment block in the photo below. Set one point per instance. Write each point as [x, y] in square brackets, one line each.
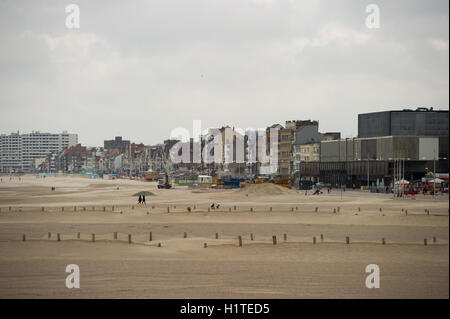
[18, 152]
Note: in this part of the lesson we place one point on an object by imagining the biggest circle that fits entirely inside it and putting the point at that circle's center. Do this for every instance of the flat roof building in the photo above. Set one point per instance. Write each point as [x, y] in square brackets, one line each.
[406, 122]
[19, 151]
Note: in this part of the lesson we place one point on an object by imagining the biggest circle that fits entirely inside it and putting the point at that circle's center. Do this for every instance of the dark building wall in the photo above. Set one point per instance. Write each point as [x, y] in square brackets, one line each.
[443, 146]
[308, 134]
[374, 124]
[369, 149]
[355, 172]
[423, 123]
[122, 145]
[403, 123]
[329, 151]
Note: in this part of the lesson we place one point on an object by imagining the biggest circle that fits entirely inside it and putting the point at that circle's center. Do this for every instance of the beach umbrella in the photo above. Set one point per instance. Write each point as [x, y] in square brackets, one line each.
[143, 193]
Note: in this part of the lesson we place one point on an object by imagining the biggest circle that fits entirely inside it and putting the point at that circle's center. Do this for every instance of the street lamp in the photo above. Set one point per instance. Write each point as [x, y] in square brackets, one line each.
[368, 179]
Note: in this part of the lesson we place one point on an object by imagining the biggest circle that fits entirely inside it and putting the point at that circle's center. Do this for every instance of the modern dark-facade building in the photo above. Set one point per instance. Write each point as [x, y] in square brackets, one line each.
[406, 122]
[363, 161]
[418, 138]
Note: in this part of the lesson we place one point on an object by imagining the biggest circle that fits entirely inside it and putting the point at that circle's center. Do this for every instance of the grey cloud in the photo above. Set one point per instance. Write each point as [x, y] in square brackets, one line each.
[142, 68]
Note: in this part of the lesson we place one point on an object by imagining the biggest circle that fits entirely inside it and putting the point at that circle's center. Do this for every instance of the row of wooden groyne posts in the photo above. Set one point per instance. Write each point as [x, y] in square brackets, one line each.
[239, 239]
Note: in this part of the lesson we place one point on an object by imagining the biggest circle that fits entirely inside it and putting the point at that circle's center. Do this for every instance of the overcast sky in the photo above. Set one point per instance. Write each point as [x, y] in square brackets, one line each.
[141, 68]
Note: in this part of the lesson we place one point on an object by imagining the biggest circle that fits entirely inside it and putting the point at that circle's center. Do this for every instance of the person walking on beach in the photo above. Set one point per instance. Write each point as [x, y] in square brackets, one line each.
[140, 199]
[143, 200]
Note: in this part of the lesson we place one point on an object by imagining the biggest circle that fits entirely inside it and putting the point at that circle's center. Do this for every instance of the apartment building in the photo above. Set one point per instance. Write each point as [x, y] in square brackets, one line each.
[18, 152]
[294, 133]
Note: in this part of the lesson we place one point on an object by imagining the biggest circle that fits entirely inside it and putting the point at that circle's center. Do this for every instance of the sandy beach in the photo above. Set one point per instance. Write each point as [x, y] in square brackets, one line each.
[183, 268]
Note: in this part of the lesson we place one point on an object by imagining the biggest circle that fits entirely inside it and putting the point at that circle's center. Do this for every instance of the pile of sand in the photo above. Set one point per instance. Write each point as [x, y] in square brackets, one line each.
[264, 190]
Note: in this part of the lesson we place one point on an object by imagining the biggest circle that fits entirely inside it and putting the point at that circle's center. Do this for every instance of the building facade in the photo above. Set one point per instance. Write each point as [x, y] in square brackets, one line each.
[371, 161]
[419, 122]
[123, 146]
[19, 152]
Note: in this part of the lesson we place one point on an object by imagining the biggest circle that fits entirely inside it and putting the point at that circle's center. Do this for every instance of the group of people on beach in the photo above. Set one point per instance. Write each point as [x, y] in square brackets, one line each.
[141, 200]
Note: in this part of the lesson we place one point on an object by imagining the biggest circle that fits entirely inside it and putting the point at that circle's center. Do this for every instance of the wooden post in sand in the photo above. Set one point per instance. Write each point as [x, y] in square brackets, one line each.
[104, 208]
[23, 237]
[270, 208]
[292, 209]
[9, 208]
[205, 245]
[217, 235]
[235, 207]
[159, 244]
[425, 242]
[150, 236]
[42, 209]
[115, 235]
[317, 209]
[314, 240]
[208, 210]
[132, 207]
[334, 210]
[240, 240]
[285, 237]
[383, 241]
[229, 210]
[58, 237]
[251, 236]
[84, 209]
[78, 235]
[112, 208]
[339, 209]
[428, 212]
[74, 208]
[321, 238]
[93, 238]
[168, 209]
[251, 209]
[347, 240]
[129, 238]
[185, 235]
[274, 239]
[381, 209]
[406, 212]
[49, 234]
[359, 209]
[434, 240]
[62, 208]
